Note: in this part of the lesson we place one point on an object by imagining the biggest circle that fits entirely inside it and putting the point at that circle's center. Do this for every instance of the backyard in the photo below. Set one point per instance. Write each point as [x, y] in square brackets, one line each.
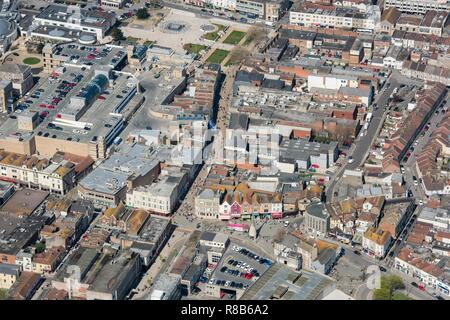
[235, 37]
[218, 56]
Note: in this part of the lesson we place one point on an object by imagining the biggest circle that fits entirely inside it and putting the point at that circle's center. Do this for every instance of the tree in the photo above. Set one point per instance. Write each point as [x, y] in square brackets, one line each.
[237, 55]
[142, 14]
[256, 33]
[117, 34]
[40, 247]
[39, 47]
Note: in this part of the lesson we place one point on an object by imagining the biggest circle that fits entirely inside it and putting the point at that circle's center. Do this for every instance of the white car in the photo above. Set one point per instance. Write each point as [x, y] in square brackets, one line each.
[211, 281]
[420, 202]
[227, 284]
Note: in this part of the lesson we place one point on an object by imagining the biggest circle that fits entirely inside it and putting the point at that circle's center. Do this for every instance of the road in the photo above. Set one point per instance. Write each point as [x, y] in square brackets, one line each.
[361, 147]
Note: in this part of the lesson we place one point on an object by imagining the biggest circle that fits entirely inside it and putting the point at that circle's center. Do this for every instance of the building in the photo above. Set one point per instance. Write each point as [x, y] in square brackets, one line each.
[395, 217]
[56, 174]
[47, 261]
[431, 275]
[207, 204]
[214, 240]
[309, 14]
[20, 75]
[119, 274]
[376, 242]
[317, 219]
[389, 20]
[134, 166]
[160, 197]
[9, 273]
[418, 6]
[282, 283]
[166, 287]
[8, 29]
[55, 17]
[304, 154]
[6, 96]
[112, 4]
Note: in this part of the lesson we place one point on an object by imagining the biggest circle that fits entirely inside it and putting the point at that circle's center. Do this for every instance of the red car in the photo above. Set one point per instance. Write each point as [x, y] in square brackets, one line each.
[101, 98]
[50, 106]
[44, 114]
[58, 115]
[42, 105]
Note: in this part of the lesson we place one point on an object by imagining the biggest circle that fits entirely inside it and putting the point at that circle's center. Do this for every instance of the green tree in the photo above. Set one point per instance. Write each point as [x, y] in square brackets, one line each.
[39, 47]
[142, 14]
[40, 247]
[117, 34]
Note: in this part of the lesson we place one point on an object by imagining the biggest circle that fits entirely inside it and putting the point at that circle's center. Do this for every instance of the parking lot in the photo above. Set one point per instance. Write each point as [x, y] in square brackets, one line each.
[239, 268]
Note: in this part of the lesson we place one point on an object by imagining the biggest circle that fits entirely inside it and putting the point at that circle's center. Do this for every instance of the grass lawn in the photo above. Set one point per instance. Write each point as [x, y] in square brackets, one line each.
[194, 48]
[235, 37]
[218, 56]
[3, 294]
[214, 34]
[389, 289]
[31, 60]
[132, 40]
[247, 41]
[149, 43]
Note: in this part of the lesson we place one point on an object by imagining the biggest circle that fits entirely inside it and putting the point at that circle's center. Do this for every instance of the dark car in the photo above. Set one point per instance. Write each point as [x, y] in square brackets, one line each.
[383, 269]
[223, 269]
[357, 252]
[414, 284]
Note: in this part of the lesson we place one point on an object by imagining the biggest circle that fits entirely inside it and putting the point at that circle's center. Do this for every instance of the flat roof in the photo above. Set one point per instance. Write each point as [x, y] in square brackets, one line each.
[306, 285]
[23, 202]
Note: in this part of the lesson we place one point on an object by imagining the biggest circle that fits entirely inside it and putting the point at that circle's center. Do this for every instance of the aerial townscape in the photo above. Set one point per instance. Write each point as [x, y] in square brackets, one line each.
[224, 150]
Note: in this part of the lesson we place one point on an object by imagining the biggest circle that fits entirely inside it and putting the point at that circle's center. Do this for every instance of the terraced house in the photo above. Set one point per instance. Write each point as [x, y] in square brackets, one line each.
[57, 175]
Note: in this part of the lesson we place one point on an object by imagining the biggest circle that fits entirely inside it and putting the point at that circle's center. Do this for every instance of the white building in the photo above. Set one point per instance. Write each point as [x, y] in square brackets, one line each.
[160, 197]
[75, 18]
[222, 4]
[112, 4]
[331, 81]
[335, 17]
[376, 242]
[418, 6]
[430, 275]
[41, 173]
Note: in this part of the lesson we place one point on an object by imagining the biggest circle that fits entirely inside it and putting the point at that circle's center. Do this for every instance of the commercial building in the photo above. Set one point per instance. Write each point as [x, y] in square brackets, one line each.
[6, 96]
[429, 274]
[57, 174]
[207, 204]
[283, 283]
[376, 242]
[8, 29]
[166, 287]
[160, 197]
[20, 75]
[304, 154]
[133, 166]
[95, 23]
[309, 14]
[418, 6]
[112, 4]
